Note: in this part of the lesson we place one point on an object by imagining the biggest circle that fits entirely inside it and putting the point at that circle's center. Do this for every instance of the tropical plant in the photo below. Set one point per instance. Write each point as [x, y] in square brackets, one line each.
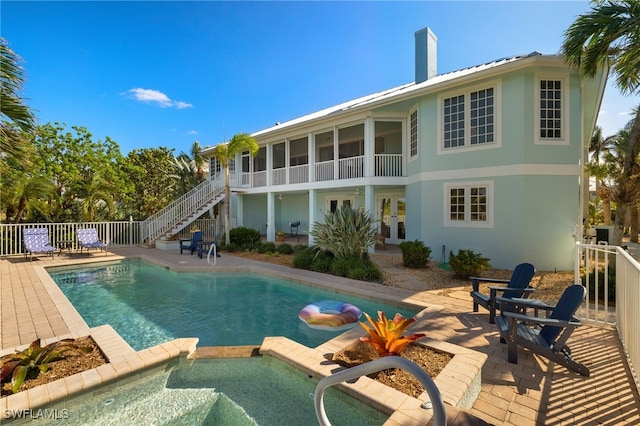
[16, 117]
[467, 263]
[608, 36]
[347, 232]
[35, 357]
[225, 153]
[386, 335]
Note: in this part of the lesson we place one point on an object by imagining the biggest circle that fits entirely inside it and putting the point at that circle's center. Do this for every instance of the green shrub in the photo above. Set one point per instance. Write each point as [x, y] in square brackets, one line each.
[323, 261]
[365, 272]
[415, 254]
[284, 248]
[244, 236]
[303, 259]
[467, 263]
[231, 247]
[298, 248]
[611, 272]
[267, 247]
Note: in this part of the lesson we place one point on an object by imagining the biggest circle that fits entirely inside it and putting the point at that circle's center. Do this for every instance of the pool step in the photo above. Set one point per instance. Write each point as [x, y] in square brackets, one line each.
[226, 352]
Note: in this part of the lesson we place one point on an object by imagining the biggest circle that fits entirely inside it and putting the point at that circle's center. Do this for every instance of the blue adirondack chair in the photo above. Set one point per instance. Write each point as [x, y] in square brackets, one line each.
[516, 286]
[192, 244]
[546, 336]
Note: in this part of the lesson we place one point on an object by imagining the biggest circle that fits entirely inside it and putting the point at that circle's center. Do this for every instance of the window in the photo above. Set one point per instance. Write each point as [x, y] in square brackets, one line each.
[413, 142]
[551, 114]
[469, 120]
[481, 109]
[469, 205]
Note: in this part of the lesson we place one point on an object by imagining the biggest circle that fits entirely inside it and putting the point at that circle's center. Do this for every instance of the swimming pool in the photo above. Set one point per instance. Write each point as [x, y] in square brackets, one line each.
[149, 304]
[234, 392]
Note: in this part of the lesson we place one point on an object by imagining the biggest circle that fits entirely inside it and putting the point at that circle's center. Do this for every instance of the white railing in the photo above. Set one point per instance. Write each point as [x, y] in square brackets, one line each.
[115, 234]
[260, 179]
[246, 179]
[324, 171]
[299, 174]
[188, 204]
[352, 167]
[388, 164]
[279, 176]
[603, 270]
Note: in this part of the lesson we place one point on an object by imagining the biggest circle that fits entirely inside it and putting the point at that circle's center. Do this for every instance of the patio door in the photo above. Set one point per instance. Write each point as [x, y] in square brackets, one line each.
[390, 210]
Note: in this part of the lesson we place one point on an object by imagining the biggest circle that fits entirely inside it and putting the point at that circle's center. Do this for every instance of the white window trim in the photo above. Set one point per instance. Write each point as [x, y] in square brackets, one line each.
[564, 140]
[447, 186]
[340, 199]
[496, 85]
[409, 156]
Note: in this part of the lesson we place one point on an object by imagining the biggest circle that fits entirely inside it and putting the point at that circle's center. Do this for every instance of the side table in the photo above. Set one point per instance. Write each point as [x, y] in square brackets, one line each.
[65, 245]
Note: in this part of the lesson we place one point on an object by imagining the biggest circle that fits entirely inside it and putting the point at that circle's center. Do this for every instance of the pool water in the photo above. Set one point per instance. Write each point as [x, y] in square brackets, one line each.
[148, 304]
[234, 392]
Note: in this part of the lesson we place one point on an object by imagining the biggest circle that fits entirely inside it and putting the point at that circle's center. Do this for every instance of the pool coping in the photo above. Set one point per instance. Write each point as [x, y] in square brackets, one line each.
[459, 384]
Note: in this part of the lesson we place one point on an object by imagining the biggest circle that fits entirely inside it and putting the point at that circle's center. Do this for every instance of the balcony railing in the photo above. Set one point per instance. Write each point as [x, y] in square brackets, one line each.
[299, 174]
[351, 168]
[279, 176]
[388, 164]
[324, 171]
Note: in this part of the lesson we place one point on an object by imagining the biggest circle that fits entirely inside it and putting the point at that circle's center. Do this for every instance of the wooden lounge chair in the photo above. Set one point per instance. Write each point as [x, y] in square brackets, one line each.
[88, 239]
[517, 286]
[546, 336]
[36, 240]
[193, 244]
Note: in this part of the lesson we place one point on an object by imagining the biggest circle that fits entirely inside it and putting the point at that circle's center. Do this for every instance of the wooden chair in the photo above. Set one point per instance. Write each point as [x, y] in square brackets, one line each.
[516, 286]
[545, 336]
[381, 241]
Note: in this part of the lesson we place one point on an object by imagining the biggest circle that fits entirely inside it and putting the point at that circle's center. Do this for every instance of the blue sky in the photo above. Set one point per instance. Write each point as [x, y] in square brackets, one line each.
[150, 74]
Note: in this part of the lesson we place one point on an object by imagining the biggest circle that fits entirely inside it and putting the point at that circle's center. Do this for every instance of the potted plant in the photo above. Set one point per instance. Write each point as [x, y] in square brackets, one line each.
[280, 235]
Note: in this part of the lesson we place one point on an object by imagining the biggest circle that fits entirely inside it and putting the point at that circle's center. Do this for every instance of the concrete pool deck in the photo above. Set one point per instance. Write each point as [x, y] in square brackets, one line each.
[533, 392]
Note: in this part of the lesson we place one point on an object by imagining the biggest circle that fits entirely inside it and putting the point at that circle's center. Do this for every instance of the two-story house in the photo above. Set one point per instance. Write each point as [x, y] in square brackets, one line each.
[488, 158]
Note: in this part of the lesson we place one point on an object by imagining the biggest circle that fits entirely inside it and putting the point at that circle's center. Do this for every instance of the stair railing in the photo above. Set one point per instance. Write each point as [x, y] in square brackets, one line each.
[436, 402]
[161, 222]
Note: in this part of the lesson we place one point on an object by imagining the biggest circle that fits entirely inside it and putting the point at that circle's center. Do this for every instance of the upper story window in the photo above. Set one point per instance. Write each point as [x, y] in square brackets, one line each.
[469, 120]
[413, 134]
[469, 205]
[551, 122]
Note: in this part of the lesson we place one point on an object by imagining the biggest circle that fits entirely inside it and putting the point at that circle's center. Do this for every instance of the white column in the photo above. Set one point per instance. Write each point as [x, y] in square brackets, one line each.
[370, 205]
[336, 154]
[271, 226]
[314, 213]
[269, 149]
[369, 146]
[311, 155]
[239, 203]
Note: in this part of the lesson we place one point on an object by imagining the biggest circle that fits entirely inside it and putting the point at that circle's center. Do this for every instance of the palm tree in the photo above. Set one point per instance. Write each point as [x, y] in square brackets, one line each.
[608, 36]
[225, 153]
[96, 193]
[15, 115]
[598, 146]
[24, 195]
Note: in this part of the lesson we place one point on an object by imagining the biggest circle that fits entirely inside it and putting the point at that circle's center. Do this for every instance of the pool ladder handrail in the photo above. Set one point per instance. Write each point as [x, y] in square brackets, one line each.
[215, 254]
[439, 414]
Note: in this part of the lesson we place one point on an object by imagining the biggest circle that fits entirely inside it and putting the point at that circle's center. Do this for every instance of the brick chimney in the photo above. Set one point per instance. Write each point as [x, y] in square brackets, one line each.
[426, 55]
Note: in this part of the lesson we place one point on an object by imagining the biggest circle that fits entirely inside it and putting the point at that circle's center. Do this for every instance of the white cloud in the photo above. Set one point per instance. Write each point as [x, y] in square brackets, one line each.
[157, 97]
[192, 132]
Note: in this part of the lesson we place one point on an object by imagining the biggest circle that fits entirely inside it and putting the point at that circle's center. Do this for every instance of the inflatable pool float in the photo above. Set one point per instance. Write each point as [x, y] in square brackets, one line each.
[330, 315]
